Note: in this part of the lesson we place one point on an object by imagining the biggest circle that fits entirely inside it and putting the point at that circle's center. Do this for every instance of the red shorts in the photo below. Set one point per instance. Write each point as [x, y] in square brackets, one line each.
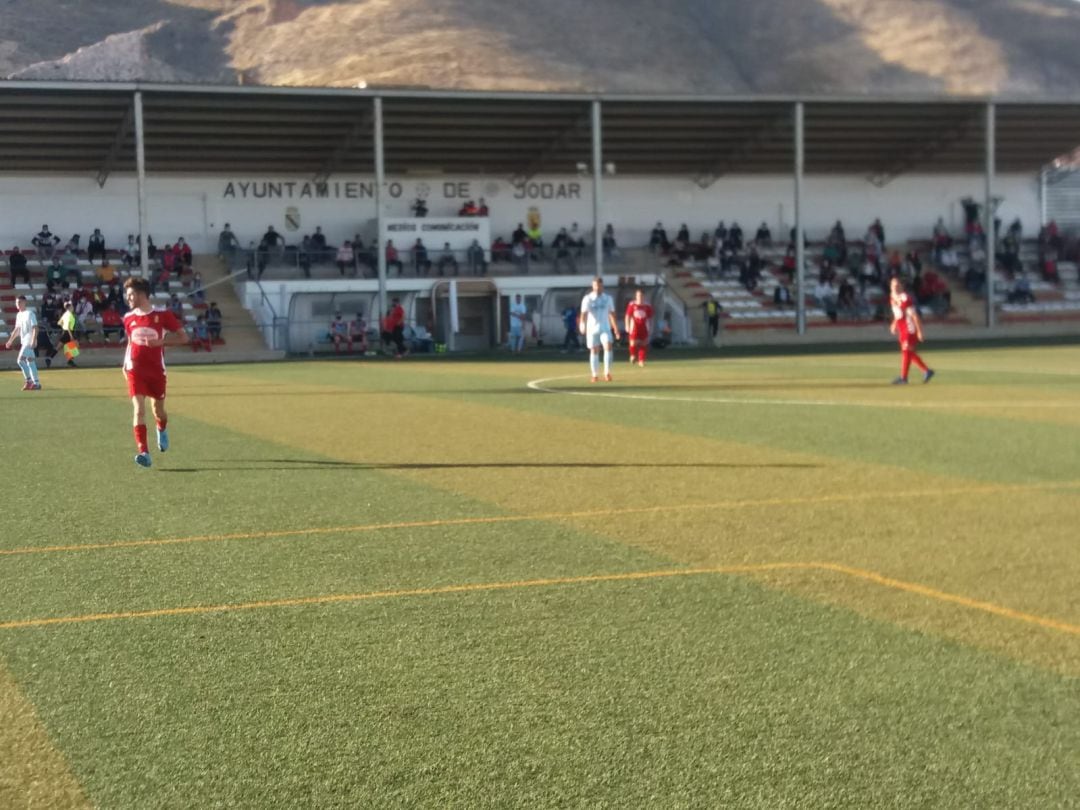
[146, 385]
[639, 335]
[906, 338]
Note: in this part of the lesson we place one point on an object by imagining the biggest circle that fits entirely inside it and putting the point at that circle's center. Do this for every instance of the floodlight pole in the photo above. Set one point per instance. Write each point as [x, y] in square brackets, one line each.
[597, 170]
[800, 258]
[380, 178]
[988, 212]
[140, 180]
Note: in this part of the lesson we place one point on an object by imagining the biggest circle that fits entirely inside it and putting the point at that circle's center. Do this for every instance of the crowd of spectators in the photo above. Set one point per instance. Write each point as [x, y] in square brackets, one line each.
[82, 290]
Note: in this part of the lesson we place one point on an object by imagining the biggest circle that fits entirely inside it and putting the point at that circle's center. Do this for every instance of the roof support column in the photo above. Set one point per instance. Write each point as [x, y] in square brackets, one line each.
[597, 171]
[800, 250]
[1043, 181]
[380, 178]
[988, 211]
[140, 168]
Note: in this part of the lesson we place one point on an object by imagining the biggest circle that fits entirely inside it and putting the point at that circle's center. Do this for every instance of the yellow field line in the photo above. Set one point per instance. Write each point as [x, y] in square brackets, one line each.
[473, 521]
[910, 587]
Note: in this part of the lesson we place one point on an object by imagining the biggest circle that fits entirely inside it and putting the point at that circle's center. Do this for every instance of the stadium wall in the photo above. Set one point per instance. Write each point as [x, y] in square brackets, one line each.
[198, 207]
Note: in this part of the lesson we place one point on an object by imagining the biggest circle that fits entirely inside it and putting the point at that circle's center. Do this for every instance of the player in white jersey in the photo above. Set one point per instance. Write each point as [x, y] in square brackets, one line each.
[597, 322]
[26, 330]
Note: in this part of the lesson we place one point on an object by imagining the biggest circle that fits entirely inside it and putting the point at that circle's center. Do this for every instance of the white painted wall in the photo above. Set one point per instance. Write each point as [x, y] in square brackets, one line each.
[197, 208]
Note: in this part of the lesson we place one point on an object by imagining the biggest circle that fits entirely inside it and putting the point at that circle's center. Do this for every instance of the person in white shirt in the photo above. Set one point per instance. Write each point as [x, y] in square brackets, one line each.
[598, 323]
[26, 330]
[518, 314]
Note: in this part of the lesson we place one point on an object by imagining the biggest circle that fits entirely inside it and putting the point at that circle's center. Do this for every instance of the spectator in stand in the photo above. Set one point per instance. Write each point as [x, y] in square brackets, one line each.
[519, 235]
[501, 250]
[50, 307]
[1050, 237]
[658, 241]
[272, 245]
[895, 265]
[112, 322]
[561, 245]
[576, 241]
[228, 245]
[949, 262]
[933, 292]
[469, 209]
[339, 332]
[846, 303]
[788, 263]
[447, 261]
[198, 294]
[940, 239]
[151, 248]
[176, 307]
[1048, 266]
[358, 333]
[130, 254]
[825, 297]
[45, 242]
[72, 275]
[213, 321]
[345, 258]
[782, 295]
[482, 209]
[735, 237]
[475, 255]
[168, 263]
[419, 207]
[608, 243]
[420, 261]
[1021, 293]
[106, 273]
[200, 335]
[320, 251]
[184, 256]
[303, 256]
[17, 266]
[536, 240]
[720, 232]
[763, 237]
[95, 246]
[683, 235]
[879, 231]
[1010, 254]
[392, 260]
[869, 276]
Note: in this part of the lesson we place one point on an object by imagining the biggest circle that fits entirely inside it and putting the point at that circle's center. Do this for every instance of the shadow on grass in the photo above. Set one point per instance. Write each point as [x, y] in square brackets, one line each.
[302, 465]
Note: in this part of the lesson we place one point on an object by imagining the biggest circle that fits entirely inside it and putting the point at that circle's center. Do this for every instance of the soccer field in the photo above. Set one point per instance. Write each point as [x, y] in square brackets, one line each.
[752, 582]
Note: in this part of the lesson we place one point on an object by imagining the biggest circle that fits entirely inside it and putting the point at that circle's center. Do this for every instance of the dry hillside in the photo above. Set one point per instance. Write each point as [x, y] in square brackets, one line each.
[679, 46]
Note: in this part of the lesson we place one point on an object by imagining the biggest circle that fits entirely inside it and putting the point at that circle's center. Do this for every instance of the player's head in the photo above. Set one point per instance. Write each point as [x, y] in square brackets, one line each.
[20, 302]
[137, 292]
[896, 286]
[598, 284]
[639, 296]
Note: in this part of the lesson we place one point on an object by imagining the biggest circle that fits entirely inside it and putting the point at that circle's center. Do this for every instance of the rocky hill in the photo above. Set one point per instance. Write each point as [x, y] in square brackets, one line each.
[887, 47]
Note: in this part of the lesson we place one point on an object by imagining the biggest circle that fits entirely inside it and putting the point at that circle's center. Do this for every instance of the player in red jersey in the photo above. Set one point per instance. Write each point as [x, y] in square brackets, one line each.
[907, 326]
[638, 317]
[148, 331]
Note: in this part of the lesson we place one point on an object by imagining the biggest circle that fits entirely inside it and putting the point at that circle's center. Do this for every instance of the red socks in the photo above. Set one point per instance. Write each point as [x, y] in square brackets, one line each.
[162, 424]
[641, 355]
[907, 357]
[140, 438]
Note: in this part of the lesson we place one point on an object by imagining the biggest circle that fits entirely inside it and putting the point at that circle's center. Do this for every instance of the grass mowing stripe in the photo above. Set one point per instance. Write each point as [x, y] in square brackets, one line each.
[638, 510]
[911, 587]
[33, 772]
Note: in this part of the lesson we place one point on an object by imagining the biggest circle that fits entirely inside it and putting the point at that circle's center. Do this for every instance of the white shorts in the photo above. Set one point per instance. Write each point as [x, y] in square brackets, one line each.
[600, 336]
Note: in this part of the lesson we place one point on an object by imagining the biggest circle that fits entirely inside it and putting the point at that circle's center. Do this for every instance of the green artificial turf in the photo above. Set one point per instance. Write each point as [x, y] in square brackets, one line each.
[398, 482]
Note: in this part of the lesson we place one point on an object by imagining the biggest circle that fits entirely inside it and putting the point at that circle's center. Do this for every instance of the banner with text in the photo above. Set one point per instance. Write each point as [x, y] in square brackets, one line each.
[436, 232]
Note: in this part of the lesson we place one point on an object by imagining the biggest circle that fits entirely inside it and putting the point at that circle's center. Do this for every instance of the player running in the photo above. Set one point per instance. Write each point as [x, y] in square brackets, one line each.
[638, 317]
[26, 330]
[597, 323]
[907, 326]
[148, 332]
